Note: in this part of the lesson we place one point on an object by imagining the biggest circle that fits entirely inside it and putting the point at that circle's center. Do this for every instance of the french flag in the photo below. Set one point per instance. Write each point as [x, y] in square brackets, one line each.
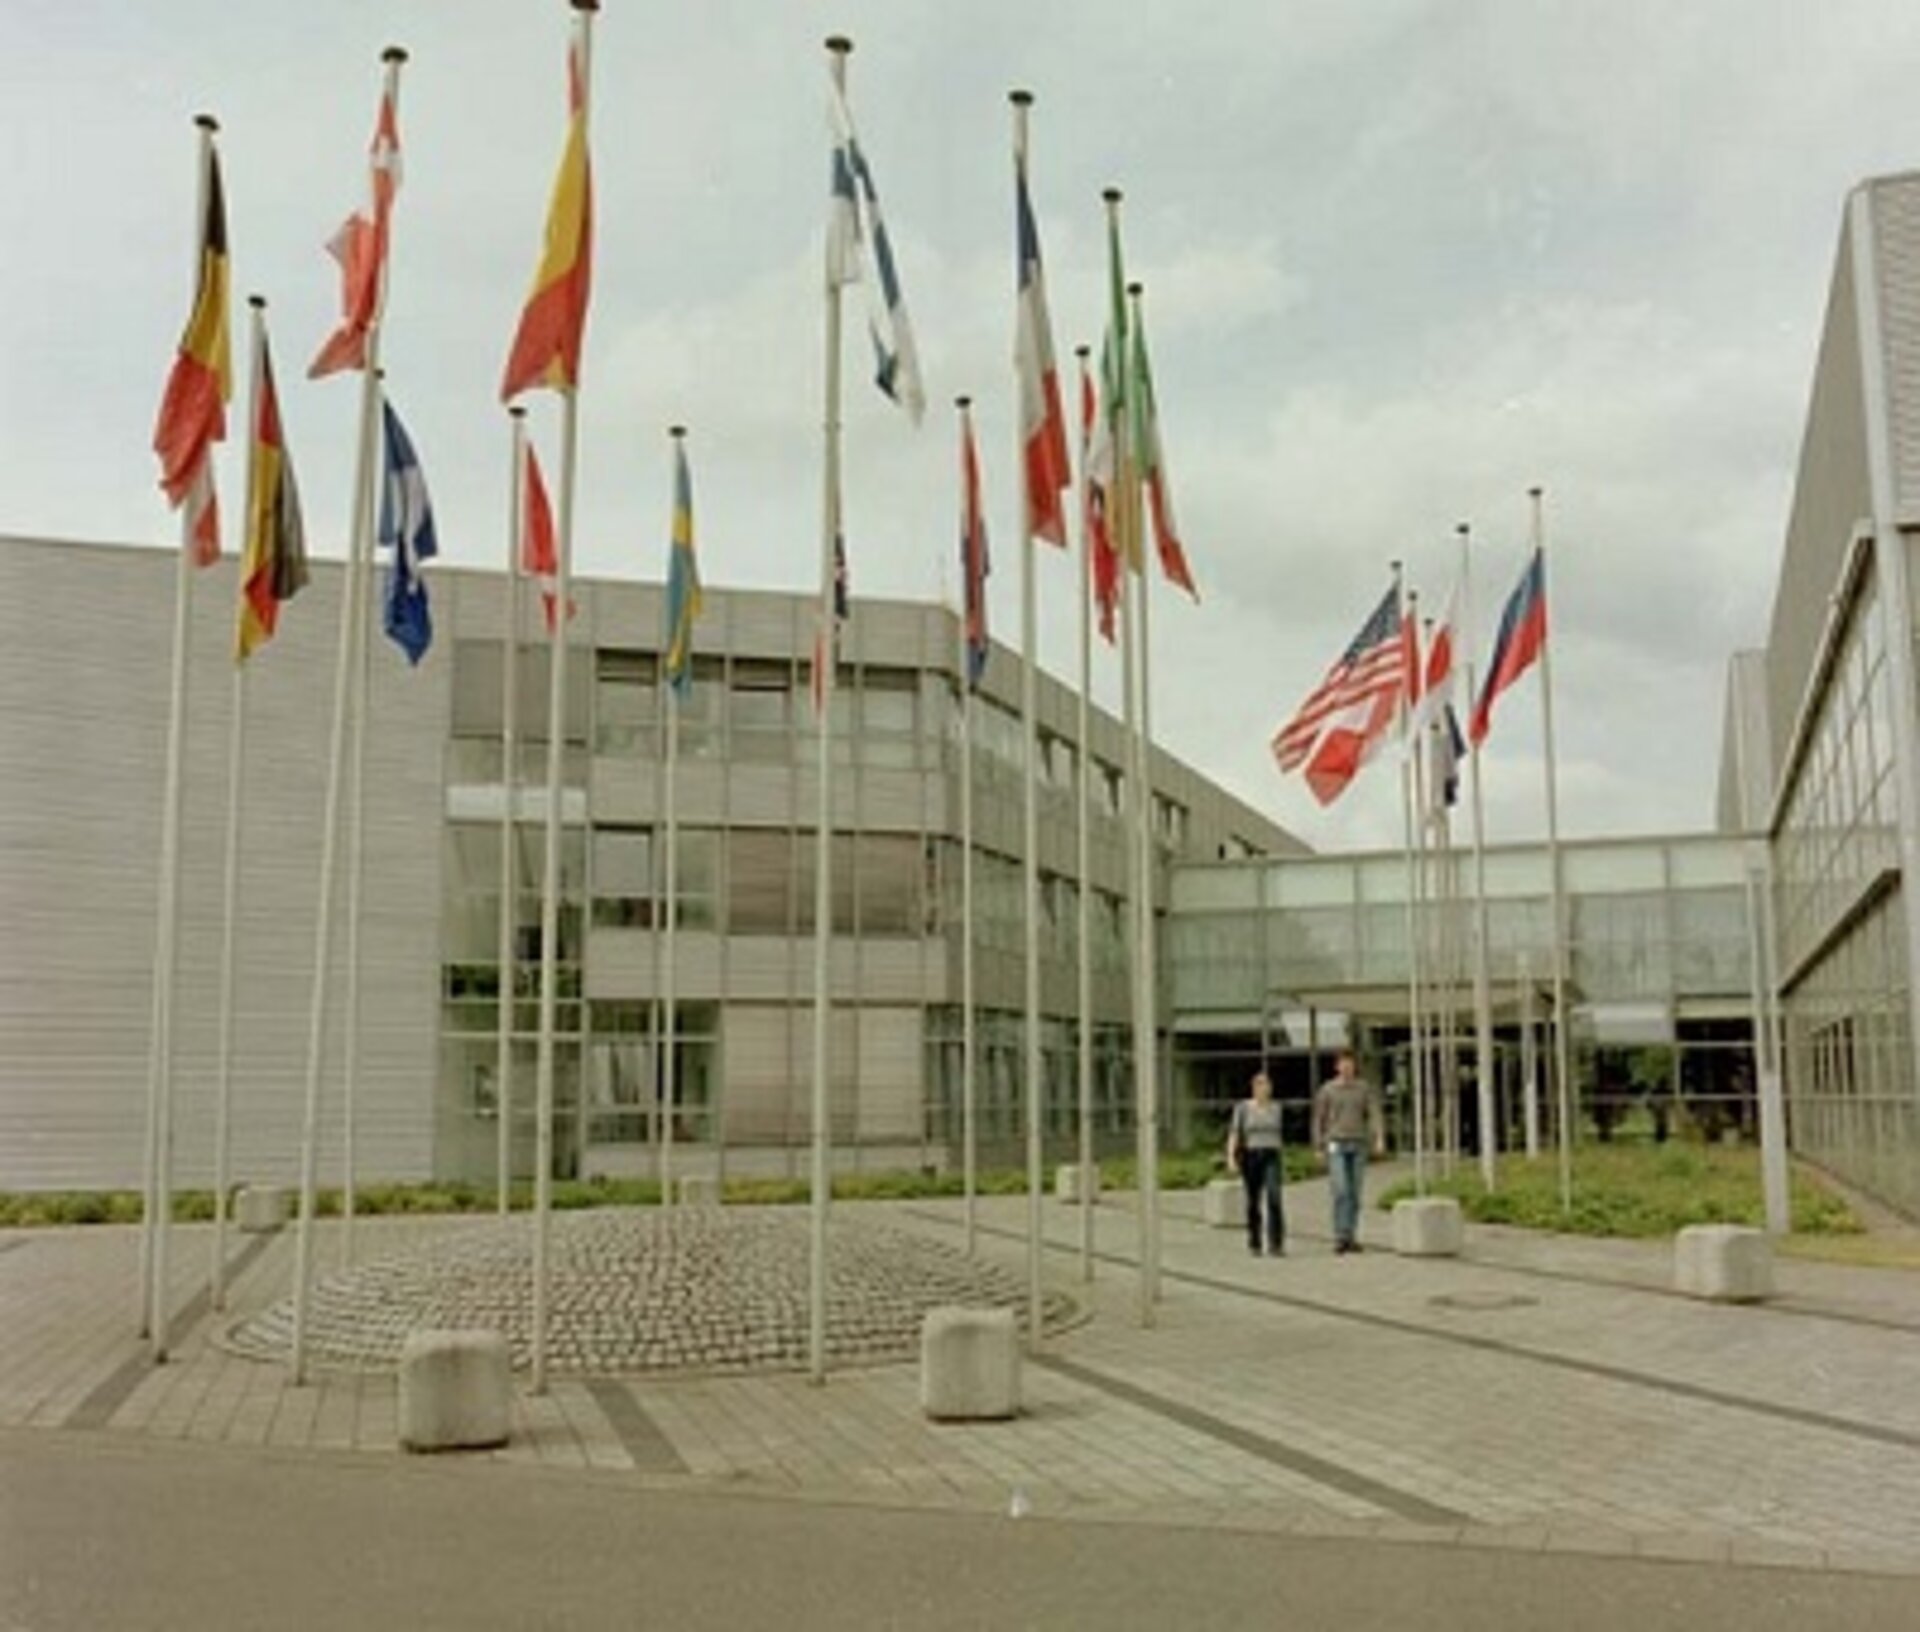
[1043, 418]
[1523, 634]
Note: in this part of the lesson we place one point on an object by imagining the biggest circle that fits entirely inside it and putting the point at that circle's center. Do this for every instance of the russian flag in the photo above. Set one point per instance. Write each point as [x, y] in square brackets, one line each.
[1043, 418]
[1523, 633]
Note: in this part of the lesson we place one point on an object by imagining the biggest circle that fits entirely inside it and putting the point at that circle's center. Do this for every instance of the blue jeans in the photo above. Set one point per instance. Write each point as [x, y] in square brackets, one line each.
[1260, 1173]
[1346, 1175]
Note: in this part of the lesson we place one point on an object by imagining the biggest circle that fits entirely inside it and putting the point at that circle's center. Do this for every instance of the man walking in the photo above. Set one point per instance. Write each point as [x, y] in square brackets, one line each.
[1346, 1121]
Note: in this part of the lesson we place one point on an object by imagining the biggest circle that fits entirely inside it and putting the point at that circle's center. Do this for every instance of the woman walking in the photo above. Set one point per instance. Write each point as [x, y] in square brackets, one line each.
[1253, 1151]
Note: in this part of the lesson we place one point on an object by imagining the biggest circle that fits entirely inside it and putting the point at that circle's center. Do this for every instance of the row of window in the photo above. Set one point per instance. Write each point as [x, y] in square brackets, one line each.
[755, 710]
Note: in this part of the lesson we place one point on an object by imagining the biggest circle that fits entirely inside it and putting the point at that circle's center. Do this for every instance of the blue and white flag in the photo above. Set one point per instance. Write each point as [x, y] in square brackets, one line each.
[855, 228]
[406, 527]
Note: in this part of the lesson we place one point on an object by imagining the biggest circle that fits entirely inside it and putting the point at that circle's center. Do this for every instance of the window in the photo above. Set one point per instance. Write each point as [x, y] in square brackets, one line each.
[623, 884]
[760, 880]
[760, 711]
[625, 708]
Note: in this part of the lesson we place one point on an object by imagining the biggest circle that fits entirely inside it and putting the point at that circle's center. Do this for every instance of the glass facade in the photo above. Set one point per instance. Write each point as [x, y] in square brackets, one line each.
[1841, 916]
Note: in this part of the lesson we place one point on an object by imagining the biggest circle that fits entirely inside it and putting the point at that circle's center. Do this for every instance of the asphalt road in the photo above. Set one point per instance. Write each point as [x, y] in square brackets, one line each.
[99, 1531]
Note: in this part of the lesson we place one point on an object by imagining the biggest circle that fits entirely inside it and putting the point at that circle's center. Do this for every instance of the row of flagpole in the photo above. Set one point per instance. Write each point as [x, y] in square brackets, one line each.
[1388, 674]
[1120, 452]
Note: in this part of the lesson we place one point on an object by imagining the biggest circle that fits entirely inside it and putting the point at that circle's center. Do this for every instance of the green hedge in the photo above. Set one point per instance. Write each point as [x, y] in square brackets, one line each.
[1635, 1191]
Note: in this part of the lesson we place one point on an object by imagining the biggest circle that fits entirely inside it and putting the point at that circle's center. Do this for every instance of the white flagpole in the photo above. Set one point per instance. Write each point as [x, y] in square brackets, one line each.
[969, 1130]
[1119, 522]
[1529, 1061]
[1146, 1001]
[671, 702]
[1482, 946]
[356, 870]
[352, 614]
[159, 1175]
[826, 659]
[1085, 854]
[230, 886]
[1030, 828]
[556, 755]
[1409, 799]
[509, 800]
[1562, 1042]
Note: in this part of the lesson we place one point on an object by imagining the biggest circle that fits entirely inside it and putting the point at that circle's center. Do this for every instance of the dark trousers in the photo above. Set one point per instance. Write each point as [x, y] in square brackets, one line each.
[1260, 1173]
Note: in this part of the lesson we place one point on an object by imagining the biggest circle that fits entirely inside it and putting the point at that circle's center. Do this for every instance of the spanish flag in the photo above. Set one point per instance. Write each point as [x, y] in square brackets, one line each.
[273, 566]
[546, 349]
[193, 411]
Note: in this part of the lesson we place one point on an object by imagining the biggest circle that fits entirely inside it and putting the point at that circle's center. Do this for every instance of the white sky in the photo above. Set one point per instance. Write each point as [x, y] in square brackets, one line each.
[1403, 259]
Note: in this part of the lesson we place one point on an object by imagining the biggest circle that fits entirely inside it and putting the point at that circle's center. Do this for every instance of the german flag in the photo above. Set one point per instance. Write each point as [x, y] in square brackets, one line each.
[193, 411]
[273, 567]
[546, 348]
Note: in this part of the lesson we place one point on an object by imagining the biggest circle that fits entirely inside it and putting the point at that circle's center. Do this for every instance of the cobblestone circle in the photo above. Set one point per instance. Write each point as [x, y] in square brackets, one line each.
[698, 1288]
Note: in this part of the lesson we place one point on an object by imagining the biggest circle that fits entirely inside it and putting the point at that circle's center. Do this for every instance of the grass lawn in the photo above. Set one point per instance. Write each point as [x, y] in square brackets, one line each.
[1637, 1190]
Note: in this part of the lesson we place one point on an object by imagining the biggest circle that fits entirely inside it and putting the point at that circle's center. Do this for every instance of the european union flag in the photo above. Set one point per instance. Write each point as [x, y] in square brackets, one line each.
[406, 527]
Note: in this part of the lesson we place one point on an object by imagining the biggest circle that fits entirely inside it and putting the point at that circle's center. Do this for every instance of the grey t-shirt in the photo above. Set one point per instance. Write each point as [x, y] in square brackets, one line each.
[1257, 1125]
[1346, 1111]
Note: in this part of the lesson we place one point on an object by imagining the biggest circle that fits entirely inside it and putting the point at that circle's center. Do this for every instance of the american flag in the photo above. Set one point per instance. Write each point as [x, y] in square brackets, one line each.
[1345, 718]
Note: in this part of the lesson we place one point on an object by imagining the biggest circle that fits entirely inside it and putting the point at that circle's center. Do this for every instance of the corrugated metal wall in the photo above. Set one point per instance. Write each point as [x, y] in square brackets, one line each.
[84, 669]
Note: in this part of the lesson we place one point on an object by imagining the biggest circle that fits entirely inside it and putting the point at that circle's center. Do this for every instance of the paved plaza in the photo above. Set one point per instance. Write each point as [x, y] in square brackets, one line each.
[1540, 1394]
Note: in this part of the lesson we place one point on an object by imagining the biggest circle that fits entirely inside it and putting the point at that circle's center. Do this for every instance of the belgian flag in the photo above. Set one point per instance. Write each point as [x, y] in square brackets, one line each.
[193, 412]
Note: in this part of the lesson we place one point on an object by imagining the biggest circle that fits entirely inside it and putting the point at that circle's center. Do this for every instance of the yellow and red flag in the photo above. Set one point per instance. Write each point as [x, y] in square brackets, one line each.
[546, 347]
[193, 413]
[360, 246]
[273, 565]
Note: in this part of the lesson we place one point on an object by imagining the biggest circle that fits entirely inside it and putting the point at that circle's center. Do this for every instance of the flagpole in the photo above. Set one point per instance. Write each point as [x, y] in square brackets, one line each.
[826, 660]
[969, 1132]
[356, 872]
[1085, 855]
[556, 755]
[1145, 973]
[1482, 945]
[230, 886]
[1030, 824]
[509, 799]
[1562, 1046]
[670, 698]
[159, 1174]
[1409, 797]
[351, 616]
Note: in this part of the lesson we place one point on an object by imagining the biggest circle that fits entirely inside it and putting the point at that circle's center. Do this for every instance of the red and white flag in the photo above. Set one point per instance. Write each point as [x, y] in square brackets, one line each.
[1432, 687]
[1344, 719]
[539, 556]
[360, 246]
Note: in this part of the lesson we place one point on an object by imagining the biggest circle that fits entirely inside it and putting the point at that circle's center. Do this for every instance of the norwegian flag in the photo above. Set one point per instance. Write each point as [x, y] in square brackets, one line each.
[1345, 718]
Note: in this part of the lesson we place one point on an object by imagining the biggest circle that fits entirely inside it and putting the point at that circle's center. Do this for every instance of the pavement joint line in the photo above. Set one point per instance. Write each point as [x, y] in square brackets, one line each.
[642, 1437]
[1787, 1305]
[116, 1388]
[1398, 1502]
[1902, 1438]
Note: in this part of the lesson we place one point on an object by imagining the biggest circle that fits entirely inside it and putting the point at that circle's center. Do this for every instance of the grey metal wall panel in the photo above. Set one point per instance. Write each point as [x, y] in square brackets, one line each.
[82, 757]
[1896, 219]
[1831, 499]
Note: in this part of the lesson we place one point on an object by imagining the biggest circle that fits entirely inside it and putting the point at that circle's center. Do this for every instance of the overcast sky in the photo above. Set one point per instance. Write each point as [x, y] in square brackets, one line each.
[1403, 259]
